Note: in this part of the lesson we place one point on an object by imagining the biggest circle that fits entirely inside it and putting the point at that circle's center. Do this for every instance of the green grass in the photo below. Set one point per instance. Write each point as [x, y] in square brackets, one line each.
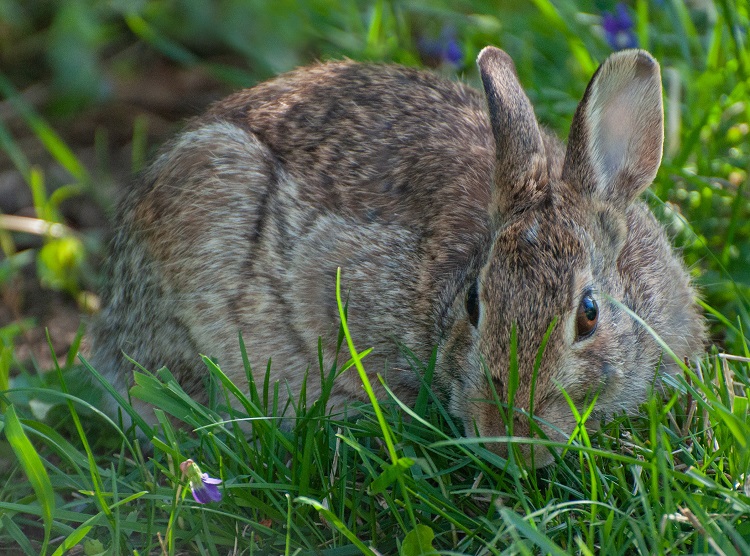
[387, 478]
[672, 482]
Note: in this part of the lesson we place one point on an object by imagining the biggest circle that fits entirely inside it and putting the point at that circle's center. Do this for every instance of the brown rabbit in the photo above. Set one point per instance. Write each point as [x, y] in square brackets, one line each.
[453, 216]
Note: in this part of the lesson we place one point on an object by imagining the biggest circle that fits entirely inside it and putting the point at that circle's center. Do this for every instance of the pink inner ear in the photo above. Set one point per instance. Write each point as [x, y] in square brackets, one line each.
[615, 142]
[614, 134]
[627, 131]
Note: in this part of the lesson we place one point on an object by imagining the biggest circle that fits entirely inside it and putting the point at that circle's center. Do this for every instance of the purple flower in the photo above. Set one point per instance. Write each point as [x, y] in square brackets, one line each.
[444, 50]
[452, 52]
[618, 28]
[205, 489]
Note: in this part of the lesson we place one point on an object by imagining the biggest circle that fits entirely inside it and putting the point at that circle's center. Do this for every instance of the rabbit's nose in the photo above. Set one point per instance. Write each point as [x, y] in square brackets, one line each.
[516, 423]
[524, 438]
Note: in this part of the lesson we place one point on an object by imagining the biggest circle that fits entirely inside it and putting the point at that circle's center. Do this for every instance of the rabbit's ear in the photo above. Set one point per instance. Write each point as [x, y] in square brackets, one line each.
[615, 143]
[520, 165]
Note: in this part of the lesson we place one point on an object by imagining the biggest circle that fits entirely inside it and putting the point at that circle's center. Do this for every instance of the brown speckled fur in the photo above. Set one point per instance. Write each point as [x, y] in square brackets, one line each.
[416, 187]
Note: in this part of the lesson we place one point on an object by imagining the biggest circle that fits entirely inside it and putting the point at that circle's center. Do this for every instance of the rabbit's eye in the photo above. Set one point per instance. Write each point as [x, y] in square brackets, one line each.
[587, 317]
[472, 304]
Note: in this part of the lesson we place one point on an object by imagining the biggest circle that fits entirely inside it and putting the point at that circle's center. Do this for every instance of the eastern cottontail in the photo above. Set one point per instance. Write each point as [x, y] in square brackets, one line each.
[453, 217]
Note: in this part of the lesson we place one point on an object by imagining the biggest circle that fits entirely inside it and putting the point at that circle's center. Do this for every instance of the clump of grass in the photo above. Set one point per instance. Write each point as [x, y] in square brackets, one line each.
[388, 479]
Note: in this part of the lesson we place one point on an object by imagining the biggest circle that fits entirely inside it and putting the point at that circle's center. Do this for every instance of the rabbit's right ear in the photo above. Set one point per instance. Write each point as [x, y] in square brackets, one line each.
[520, 159]
[615, 143]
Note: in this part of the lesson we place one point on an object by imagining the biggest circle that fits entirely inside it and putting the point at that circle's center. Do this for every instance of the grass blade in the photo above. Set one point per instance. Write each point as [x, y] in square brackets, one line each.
[34, 468]
[15, 532]
[337, 523]
[49, 138]
[531, 533]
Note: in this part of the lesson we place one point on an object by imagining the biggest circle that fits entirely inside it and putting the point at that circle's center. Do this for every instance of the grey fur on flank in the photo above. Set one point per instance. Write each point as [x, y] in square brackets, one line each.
[453, 216]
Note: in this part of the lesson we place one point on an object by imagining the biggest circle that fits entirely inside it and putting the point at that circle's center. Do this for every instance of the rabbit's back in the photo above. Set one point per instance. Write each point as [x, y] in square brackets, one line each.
[241, 222]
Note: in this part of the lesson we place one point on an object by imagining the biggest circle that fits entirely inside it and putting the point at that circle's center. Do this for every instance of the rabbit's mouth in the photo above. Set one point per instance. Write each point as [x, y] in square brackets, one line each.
[535, 440]
[538, 433]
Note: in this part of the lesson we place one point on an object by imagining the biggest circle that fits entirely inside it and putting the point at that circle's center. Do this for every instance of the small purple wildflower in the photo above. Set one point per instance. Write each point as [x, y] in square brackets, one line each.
[205, 489]
[444, 50]
[452, 52]
[618, 28]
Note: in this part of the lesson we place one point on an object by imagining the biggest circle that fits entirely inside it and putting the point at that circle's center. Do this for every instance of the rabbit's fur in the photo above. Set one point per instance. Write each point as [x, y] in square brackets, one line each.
[453, 217]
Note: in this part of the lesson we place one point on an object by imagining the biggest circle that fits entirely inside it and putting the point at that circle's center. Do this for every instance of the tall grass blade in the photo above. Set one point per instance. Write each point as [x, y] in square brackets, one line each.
[121, 401]
[531, 533]
[337, 523]
[14, 152]
[32, 465]
[363, 374]
[94, 471]
[49, 137]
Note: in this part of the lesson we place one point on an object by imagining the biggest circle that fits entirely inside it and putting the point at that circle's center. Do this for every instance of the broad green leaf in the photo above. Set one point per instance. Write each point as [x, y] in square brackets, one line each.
[60, 261]
[418, 542]
[391, 473]
[94, 547]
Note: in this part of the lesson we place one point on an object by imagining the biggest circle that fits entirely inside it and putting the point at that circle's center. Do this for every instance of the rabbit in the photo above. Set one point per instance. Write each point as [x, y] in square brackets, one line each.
[456, 219]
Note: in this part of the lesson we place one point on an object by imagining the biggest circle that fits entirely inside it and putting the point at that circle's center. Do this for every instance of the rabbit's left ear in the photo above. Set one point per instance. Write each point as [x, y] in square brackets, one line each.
[615, 143]
[520, 159]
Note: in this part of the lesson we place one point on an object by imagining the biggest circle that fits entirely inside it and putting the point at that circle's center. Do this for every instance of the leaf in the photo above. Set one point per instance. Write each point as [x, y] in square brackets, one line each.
[357, 357]
[121, 401]
[390, 475]
[418, 542]
[59, 263]
[73, 539]
[334, 520]
[740, 407]
[34, 469]
[94, 547]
